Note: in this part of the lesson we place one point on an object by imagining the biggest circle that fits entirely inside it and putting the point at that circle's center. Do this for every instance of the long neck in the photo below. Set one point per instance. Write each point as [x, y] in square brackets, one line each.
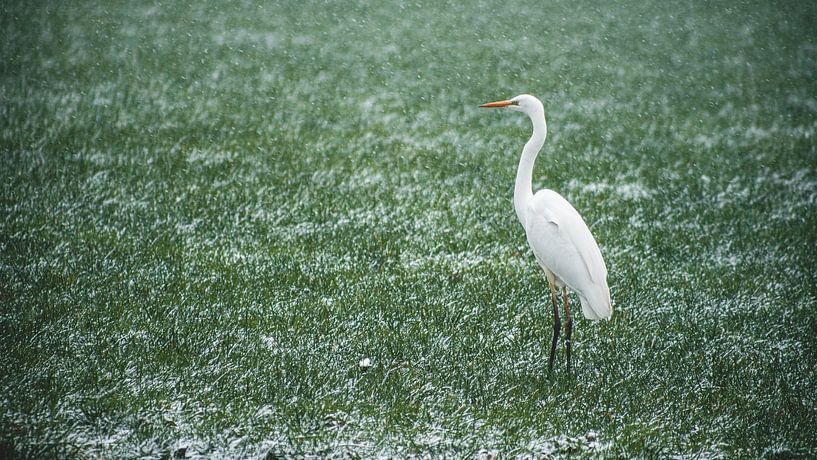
[523, 191]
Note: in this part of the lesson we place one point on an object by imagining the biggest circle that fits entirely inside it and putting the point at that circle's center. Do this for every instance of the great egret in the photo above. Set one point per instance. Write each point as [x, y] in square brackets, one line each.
[561, 241]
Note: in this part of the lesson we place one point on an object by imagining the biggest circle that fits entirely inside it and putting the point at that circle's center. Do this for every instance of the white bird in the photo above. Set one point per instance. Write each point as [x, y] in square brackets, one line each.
[557, 234]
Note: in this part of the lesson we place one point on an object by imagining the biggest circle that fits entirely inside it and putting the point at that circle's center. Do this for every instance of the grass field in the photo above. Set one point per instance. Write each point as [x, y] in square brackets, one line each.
[213, 212]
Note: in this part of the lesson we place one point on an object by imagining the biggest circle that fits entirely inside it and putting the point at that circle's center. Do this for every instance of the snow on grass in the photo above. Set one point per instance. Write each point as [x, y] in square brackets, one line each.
[618, 188]
[562, 445]
[288, 231]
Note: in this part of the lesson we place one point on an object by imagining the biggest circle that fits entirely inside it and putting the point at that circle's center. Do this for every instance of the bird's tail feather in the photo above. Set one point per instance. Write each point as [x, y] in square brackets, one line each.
[599, 309]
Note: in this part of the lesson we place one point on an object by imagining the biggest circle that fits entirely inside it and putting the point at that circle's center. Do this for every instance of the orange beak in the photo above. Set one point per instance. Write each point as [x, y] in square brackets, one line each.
[491, 105]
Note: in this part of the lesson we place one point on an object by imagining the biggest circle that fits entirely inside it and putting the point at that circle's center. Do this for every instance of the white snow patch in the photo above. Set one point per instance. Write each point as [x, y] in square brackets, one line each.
[210, 158]
[365, 364]
[620, 188]
[270, 342]
[587, 444]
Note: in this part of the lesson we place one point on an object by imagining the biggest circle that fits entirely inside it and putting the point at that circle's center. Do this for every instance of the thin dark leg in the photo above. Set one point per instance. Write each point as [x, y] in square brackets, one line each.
[568, 326]
[557, 327]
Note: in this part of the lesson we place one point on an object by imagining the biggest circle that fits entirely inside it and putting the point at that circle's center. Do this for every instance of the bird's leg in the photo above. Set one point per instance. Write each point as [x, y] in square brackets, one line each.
[568, 326]
[557, 325]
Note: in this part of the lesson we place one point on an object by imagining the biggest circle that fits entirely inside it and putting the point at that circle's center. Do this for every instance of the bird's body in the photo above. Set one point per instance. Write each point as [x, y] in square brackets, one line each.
[556, 232]
[558, 235]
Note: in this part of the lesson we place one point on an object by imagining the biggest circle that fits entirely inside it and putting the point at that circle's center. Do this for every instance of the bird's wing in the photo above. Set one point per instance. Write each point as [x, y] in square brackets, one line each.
[563, 244]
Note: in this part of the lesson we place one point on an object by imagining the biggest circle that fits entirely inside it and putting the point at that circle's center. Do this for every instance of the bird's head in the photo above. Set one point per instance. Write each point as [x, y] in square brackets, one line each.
[524, 103]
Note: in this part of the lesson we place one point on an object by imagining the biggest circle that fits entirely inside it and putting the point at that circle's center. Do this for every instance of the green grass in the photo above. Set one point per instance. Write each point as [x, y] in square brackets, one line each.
[212, 212]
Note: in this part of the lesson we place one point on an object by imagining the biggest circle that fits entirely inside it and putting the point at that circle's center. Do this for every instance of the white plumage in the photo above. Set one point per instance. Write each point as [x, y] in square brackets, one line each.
[557, 234]
[563, 244]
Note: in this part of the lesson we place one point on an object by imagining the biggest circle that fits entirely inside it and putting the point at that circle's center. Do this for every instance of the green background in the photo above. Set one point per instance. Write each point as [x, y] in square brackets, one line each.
[212, 212]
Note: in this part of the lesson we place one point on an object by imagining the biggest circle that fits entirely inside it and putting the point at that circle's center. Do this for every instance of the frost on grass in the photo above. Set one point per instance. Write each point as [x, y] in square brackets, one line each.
[619, 188]
[588, 444]
[275, 208]
[483, 257]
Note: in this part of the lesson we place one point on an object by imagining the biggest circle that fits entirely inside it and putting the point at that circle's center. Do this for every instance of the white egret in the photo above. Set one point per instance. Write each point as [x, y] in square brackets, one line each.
[557, 234]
